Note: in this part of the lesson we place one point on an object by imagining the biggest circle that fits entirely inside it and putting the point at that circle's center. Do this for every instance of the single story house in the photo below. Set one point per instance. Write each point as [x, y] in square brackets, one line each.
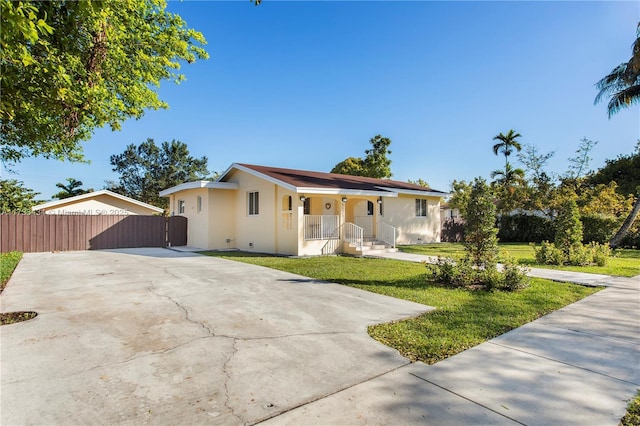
[103, 202]
[297, 212]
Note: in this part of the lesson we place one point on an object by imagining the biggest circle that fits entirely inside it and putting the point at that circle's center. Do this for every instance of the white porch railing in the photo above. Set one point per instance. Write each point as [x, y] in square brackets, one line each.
[386, 233]
[366, 223]
[354, 234]
[320, 227]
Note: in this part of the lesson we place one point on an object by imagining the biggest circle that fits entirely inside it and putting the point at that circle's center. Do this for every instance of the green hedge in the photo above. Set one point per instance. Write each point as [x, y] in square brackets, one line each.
[535, 229]
[525, 228]
[599, 229]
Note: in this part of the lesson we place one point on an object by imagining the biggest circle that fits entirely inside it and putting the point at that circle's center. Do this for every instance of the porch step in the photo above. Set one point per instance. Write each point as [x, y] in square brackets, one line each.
[369, 248]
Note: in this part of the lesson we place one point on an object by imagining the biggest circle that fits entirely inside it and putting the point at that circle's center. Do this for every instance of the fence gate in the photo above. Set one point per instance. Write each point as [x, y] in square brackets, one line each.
[39, 233]
[177, 231]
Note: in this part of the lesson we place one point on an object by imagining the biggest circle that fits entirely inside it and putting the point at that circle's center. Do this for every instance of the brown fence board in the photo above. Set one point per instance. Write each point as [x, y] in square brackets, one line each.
[38, 233]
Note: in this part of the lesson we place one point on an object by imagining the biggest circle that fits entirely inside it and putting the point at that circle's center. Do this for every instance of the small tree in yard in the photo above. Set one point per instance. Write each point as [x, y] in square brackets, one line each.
[567, 248]
[481, 241]
[568, 227]
[479, 266]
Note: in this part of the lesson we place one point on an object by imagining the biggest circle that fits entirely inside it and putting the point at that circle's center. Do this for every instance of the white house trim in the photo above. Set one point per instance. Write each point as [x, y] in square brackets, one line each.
[197, 185]
[412, 192]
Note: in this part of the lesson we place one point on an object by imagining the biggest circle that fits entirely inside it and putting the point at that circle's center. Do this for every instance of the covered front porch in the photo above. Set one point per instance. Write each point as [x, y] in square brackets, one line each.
[345, 224]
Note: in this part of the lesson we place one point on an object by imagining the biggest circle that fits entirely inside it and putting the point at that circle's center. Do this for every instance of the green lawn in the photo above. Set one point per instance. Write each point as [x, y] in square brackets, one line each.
[463, 318]
[8, 262]
[623, 263]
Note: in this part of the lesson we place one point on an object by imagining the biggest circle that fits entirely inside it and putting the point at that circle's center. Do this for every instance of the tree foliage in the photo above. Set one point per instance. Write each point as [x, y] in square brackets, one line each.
[376, 163]
[352, 166]
[419, 182]
[480, 233]
[71, 189]
[69, 67]
[623, 170]
[622, 85]
[15, 198]
[147, 169]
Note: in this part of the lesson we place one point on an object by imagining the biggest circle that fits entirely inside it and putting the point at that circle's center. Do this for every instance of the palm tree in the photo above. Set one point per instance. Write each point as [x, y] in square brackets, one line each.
[508, 178]
[623, 85]
[72, 189]
[623, 82]
[507, 144]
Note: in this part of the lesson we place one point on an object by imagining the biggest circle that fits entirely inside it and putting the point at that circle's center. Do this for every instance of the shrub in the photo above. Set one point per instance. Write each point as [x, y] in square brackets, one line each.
[514, 277]
[601, 253]
[549, 254]
[579, 255]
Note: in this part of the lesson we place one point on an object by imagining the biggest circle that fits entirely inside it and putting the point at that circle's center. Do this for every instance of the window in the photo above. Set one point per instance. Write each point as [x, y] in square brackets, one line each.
[181, 206]
[306, 206]
[199, 203]
[287, 203]
[253, 203]
[421, 208]
[369, 208]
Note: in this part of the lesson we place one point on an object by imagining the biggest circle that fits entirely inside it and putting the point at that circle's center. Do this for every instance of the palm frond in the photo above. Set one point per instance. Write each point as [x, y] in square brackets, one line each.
[623, 98]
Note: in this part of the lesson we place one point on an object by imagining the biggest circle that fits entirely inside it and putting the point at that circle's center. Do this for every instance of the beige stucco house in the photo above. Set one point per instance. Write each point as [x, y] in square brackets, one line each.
[298, 212]
[102, 202]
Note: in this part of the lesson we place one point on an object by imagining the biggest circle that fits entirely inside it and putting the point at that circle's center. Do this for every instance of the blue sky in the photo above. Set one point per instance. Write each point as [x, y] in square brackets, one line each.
[306, 84]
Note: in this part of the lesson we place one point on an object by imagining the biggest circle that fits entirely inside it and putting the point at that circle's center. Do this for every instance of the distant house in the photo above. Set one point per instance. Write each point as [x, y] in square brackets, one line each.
[298, 212]
[447, 212]
[102, 202]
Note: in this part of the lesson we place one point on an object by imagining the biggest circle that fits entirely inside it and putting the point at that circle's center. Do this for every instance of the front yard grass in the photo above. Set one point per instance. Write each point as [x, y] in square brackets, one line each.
[463, 318]
[8, 262]
[623, 263]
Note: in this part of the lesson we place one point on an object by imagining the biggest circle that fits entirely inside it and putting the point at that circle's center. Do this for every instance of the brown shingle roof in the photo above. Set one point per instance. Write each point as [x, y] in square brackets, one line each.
[309, 179]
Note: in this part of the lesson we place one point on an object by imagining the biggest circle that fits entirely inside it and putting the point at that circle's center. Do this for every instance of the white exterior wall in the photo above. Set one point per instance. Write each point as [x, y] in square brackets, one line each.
[257, 232]
[198, 224]
[222, 219]
[101, 205]
[401, 213]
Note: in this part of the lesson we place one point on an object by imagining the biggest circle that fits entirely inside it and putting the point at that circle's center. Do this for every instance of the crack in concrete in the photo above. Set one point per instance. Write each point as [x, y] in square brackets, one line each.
[152, 289]
[226, 384]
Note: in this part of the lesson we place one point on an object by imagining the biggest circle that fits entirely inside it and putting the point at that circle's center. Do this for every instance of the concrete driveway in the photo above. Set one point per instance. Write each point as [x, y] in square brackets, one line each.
[154, 336]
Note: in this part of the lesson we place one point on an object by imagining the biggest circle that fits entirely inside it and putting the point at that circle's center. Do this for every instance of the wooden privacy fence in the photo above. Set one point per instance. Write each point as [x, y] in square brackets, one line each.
[39, 233]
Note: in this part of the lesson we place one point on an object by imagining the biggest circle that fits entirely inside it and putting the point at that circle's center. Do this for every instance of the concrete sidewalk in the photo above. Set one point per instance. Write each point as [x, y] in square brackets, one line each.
[577, 366]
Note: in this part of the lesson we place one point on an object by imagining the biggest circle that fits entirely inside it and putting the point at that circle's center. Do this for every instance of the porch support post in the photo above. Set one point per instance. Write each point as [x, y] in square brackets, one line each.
[343, 207]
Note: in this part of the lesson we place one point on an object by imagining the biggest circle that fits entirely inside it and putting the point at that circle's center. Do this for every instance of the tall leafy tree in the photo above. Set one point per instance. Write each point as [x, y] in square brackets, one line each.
[15, 198]
[72, 188]
[69, 67]
[376, 163]
[507, 144]
[622, 87]
[147, 169]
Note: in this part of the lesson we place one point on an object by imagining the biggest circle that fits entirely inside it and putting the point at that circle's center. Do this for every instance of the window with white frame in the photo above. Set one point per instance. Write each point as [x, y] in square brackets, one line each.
[253, 203]
[181, 206]
[199, 203]
[421, 208]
